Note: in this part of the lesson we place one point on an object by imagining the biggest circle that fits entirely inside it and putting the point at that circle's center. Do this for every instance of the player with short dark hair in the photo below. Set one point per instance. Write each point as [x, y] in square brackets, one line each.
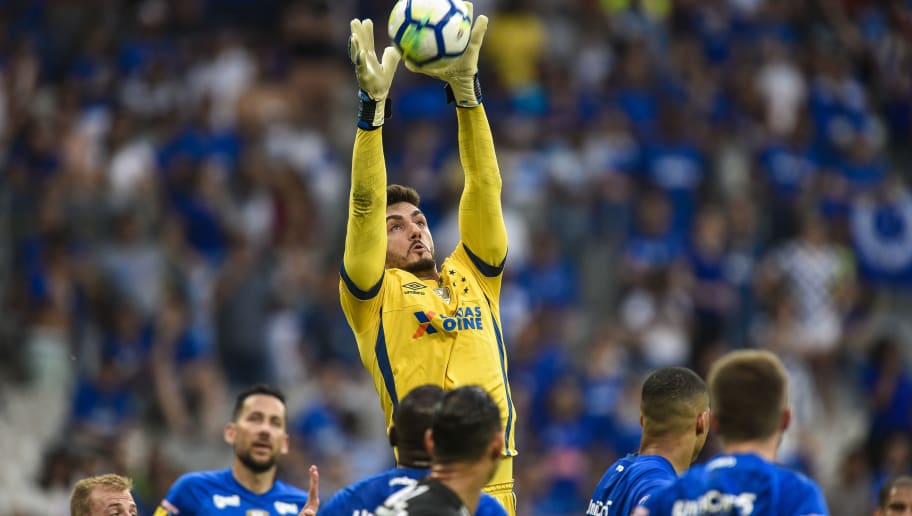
[466, 443]
[241, 399]
[674, 414]
[103, 495]
[748, 391]
[412, 419]
[258, 436]
[416, 323]
[895, 498]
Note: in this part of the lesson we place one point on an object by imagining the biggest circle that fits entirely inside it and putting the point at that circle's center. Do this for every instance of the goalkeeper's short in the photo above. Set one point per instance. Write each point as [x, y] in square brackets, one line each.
[501, 486]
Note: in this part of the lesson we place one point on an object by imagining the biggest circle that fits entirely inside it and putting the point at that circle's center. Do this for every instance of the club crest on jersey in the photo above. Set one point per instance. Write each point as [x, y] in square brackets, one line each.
[465, 318]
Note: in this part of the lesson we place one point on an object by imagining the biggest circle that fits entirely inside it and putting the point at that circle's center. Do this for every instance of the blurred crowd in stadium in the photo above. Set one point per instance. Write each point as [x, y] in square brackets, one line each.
[680, 178]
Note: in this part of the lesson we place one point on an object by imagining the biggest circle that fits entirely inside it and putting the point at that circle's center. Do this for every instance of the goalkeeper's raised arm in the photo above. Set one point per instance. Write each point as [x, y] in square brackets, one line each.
[365, 239]
[481, 225]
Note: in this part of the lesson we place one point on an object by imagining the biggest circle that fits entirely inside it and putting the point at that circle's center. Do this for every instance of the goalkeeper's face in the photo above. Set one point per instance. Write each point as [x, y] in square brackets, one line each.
[409, 246]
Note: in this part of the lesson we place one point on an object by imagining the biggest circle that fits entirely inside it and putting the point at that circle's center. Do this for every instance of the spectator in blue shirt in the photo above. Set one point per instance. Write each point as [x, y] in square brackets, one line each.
[652, 242]
[676, 165]
[887, 385]
[103, 406]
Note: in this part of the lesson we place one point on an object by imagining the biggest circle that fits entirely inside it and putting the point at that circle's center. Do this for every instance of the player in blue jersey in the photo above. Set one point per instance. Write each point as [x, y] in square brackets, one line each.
[249, 487]
[895, 498]
[674, 414]
[748, 392]
[411, 421]
[465, 441]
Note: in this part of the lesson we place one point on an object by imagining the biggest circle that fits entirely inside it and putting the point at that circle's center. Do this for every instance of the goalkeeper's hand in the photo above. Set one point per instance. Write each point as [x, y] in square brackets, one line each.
[460, 73]
[374, 77]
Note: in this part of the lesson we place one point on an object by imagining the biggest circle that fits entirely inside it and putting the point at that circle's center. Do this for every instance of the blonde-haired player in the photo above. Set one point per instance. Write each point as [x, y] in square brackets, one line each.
[102, 495]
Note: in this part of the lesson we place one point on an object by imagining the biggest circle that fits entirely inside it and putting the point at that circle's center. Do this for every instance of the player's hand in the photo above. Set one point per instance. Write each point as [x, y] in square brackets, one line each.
[374, 76]
[313, 494]
[461, 73]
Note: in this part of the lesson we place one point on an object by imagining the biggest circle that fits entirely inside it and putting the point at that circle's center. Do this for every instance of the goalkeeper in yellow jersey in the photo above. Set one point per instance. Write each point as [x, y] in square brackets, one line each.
[416, 323]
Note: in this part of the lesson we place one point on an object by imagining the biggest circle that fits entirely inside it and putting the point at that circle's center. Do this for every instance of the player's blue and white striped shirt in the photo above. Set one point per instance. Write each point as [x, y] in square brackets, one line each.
[738, 485]
[361, 498]
[627, 482]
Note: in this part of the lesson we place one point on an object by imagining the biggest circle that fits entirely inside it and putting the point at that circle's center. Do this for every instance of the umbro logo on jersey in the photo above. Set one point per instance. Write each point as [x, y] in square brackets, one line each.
[414, 285]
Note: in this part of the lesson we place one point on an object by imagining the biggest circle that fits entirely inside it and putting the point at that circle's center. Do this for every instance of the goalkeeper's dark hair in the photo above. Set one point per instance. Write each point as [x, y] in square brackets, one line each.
[464, 422]
[398, 193]
[253, 390]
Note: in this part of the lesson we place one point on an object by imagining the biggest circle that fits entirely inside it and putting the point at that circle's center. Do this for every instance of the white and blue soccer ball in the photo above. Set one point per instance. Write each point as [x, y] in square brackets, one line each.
[430, 31]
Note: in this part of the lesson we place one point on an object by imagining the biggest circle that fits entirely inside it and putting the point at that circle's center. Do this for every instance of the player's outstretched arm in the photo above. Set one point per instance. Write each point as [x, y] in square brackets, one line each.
[365, 239]
[481, 224]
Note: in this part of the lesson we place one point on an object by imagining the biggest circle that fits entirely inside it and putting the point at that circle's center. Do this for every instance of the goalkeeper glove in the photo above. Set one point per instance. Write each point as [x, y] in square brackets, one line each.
[374, 77]
[460, 73]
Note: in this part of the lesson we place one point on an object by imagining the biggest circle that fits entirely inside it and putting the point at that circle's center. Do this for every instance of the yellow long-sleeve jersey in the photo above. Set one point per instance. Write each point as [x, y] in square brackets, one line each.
[408, 334]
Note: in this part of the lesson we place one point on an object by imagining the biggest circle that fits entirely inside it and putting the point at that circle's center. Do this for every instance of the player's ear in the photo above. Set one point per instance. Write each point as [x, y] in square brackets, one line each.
[713, 422]
[702, 422]
[230, 433]
[429, 441]
[642, 420]
[786, 418]
[393, 438]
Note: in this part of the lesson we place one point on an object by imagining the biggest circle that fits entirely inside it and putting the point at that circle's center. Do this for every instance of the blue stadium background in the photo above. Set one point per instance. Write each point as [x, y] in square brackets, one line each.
[680, 179]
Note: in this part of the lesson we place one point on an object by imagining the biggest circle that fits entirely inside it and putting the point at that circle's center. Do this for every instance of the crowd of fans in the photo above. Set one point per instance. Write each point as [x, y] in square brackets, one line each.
[680, 178]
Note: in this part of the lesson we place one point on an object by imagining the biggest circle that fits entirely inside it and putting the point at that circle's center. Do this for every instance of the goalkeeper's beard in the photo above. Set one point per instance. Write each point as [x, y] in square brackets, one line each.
[423, 265]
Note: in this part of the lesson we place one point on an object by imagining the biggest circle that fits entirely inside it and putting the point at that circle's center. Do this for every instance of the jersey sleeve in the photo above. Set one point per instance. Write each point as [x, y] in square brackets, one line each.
[481, 222]
[179, 500]
[655, 503]
[343, 503]
[364, 258]
[649, 487]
